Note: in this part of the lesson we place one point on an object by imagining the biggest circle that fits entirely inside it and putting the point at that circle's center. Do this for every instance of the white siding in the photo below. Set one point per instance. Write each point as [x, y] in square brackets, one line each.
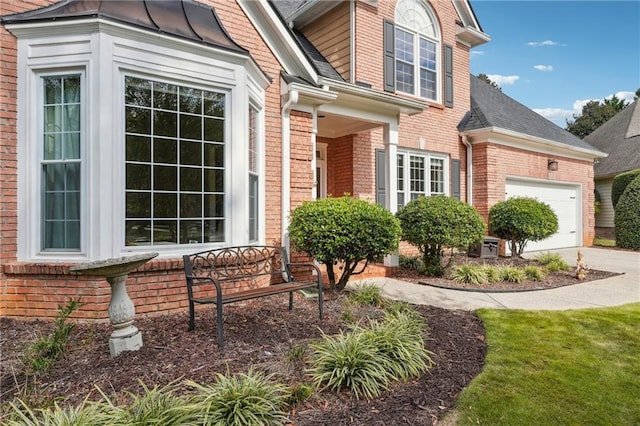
[605, 217]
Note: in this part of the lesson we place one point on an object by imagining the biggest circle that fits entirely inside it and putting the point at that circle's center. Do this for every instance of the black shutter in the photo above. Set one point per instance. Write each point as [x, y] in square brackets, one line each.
[380, 184]
[389, 56]
[455, 179]
[448, 76]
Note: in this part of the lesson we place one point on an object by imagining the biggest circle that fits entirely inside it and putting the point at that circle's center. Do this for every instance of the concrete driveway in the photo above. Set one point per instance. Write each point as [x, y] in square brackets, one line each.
[614, 291]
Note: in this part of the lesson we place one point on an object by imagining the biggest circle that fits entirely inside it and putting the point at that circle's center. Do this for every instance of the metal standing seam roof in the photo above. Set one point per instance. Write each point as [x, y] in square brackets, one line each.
[185, 19]
[620, 138]
[492, 108]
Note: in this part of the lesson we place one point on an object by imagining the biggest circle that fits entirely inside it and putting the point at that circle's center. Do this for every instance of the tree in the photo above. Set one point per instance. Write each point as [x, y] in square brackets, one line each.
[435, 223]
[343, 233]
[594, 114]
[487, 80]
[520, 220]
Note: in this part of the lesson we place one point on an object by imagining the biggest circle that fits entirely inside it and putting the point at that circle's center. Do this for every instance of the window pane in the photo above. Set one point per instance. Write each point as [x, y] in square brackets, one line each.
[138, 120]
[404, 77]
[214, 205]
[72, 146]
[165, 96]
[72, 234]
[165, 178]
[165, 232]
[191, 100]
[165, 205]
[71, 117]
[72, 205]
[137, 92]
[138, 204]
[213, 231]
[165, 123]
[213, 130]
[190, 231]
[165, 151]
[138, 232]
[214, 104]
[213, 180]
[138, 176]
[427, 54]
[427, 84]
[54, 177]
[190, 205]
[138, 148]
[72, 176]
[191, 179]
[52, 90]
[191, 153]
[190, 127]
[213, 154]
[437, 176]
[53, 146]
[416, 176]
[253, 207]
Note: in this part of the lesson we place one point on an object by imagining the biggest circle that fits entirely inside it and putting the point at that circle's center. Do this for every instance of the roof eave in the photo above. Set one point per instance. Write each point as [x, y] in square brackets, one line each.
[471, 37]
[371, 97]
[508, 137]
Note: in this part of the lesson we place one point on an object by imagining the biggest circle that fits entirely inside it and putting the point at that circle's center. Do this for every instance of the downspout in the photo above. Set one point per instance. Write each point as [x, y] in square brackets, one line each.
[466, 143]
[286, 166]
[352, 47]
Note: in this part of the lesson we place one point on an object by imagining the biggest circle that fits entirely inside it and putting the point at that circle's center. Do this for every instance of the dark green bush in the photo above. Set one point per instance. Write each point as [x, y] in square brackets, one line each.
[435, 223]
[344, 231]
[520, 220]
[620, 183]
[627, 217]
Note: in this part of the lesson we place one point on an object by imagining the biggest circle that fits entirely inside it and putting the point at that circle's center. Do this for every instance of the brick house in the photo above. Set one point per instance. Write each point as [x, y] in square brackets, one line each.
[135, 126]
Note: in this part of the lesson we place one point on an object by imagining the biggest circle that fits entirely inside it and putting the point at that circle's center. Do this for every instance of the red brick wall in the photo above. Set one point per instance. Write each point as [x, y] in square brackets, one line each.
[435, 129]
[35, 290]
[494, 163]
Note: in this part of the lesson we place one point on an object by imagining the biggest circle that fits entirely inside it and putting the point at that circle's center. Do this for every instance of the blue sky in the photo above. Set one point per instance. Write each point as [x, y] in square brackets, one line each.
[554, 56]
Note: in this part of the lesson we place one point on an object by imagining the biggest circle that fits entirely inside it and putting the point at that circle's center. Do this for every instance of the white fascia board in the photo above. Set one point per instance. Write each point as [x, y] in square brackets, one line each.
[280, 41]
[471, 33]
[499, 136]
[309, 95]
[365, 98]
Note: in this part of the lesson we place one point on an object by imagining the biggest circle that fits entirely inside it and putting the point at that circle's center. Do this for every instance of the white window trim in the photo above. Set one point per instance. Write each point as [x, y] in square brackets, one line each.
[416, 55]
[321, 166]
[427, 182]
[104, 54]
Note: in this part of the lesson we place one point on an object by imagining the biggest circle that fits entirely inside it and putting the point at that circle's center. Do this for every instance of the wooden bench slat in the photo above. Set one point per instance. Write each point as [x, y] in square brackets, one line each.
[271, 290]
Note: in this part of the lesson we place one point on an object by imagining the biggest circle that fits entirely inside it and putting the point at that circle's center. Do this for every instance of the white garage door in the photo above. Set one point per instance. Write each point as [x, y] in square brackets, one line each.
[564, 201]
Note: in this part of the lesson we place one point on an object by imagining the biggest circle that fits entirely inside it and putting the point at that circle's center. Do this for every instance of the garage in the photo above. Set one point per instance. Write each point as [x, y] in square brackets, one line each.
[564, 199]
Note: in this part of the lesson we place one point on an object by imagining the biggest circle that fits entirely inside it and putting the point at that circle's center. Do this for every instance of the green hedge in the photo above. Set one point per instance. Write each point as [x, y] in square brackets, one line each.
[627, 217]
[620, 183]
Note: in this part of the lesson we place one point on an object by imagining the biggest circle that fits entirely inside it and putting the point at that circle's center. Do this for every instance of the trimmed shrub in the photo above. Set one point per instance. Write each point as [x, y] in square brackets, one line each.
[627, 217]
[620, 183]
[435, 223]
[342, 232]
[520, 220]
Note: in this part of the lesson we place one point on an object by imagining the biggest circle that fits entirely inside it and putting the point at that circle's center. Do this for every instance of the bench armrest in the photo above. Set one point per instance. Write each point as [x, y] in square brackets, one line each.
[190, 282]
[312, 265]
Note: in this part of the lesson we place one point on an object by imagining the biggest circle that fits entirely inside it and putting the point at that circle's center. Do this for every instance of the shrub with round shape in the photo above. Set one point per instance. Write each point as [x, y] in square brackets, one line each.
[620, 183]
[627, 217]
[435, 223]
[343, 232]
[520, 220]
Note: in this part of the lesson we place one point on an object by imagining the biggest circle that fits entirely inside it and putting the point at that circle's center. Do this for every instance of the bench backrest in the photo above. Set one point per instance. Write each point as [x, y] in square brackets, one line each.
[237, 263]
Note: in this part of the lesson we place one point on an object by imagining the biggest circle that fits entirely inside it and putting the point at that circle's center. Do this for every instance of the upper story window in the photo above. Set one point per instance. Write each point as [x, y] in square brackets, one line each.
[417, 47]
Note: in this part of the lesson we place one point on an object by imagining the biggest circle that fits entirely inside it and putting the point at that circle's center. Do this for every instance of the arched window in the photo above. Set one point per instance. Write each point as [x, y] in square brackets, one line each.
[417, 50]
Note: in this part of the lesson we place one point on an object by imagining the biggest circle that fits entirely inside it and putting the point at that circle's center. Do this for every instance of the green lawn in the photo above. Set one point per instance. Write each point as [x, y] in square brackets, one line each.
[557, 368]
[604, 242]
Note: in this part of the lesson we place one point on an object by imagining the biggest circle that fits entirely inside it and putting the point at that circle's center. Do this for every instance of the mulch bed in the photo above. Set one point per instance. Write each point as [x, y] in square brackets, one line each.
[551, 280]
[258, 334]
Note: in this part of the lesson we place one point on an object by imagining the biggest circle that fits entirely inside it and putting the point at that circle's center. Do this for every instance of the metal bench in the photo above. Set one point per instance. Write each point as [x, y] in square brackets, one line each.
[265, 268]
